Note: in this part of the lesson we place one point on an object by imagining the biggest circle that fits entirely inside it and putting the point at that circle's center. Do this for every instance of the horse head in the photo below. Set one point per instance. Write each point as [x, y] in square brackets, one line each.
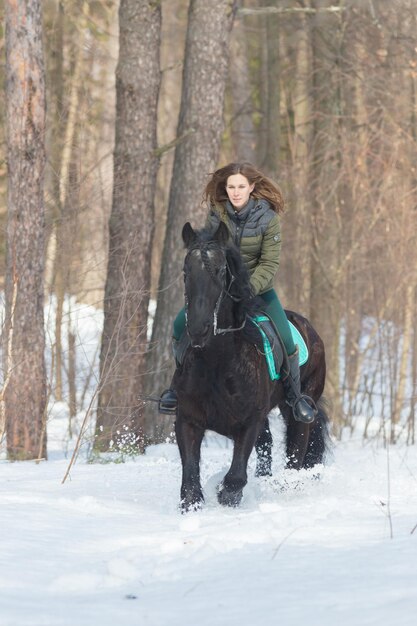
[205, 275]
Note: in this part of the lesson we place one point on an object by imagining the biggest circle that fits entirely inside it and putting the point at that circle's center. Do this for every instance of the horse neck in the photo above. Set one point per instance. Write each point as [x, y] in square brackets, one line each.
[225, 317]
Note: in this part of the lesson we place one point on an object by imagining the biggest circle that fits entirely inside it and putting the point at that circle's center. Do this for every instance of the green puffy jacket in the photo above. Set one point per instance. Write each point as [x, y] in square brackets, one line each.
[255, 229]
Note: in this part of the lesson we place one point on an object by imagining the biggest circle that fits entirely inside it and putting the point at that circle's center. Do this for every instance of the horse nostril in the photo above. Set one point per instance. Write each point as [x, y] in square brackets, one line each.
[199, 337]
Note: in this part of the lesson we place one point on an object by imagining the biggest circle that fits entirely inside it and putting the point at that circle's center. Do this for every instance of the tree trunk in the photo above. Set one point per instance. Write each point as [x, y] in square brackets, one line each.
[65, 225]
[199, 129]
[404, 365]
[325, 207]
[411, 425]
[243, 137]
[272, 145]
[122, 358]
[295, 263]
[25, 396]
[174, 26]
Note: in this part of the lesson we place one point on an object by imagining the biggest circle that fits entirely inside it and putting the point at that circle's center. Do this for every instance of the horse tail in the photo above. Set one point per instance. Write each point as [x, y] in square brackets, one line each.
[319, 442]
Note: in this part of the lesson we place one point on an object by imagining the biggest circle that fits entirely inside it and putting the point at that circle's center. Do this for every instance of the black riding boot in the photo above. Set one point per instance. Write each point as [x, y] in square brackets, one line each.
[168, 402]
[303, 407]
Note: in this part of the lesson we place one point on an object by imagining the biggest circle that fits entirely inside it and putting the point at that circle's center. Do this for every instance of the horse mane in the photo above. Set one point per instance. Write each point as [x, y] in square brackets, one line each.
[241, 287]
[248, 305]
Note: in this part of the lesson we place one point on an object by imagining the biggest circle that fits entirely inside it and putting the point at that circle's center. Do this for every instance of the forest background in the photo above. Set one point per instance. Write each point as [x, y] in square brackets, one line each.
[143, 100]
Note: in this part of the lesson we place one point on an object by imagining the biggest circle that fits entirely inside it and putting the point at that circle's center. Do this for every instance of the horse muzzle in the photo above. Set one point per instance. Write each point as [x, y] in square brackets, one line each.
[199, 338]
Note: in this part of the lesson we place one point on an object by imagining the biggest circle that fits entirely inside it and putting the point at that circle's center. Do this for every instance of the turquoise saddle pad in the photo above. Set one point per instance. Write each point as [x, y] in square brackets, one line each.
[269, 356]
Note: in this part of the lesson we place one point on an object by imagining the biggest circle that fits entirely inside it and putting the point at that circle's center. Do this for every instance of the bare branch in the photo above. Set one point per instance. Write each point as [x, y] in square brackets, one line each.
[174, 143]
[288, 10]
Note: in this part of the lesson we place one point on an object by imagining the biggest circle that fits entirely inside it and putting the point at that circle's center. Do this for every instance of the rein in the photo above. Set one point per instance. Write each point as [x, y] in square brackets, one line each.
[224, 292]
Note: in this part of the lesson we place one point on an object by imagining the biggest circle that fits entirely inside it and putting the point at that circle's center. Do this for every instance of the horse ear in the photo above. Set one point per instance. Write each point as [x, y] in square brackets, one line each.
[188, 235]
[222, 234]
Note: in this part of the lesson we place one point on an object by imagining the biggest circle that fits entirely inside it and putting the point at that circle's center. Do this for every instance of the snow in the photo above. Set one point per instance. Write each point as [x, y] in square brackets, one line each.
[109, 546]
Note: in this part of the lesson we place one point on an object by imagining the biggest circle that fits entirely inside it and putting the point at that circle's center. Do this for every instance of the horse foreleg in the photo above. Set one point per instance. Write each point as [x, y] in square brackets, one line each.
[231, 488]
[263, 448]
[189, 438]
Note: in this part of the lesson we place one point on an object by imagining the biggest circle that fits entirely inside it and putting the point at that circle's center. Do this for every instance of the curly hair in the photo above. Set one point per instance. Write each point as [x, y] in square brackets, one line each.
[215, 191]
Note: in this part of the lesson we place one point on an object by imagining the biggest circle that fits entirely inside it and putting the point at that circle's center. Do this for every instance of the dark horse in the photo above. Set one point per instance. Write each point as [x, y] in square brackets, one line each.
[223, 383]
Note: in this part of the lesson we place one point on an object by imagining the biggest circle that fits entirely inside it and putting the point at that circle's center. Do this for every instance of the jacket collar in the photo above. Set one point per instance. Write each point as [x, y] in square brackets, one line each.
[240, 216]
[252, 204]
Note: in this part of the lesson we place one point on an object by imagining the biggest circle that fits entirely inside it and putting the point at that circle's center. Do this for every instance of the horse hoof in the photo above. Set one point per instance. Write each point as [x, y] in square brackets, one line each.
[229, 498]
[188, 506]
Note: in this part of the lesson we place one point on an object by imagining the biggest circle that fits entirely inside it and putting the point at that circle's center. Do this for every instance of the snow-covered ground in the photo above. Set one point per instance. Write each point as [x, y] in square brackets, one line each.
[110, 547]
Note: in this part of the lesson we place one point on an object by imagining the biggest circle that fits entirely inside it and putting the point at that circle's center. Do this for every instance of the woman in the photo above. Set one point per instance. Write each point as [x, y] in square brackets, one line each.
[250, 203]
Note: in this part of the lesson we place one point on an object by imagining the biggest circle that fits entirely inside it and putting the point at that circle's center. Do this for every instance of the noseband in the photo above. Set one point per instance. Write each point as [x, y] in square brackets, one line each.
[225, 289]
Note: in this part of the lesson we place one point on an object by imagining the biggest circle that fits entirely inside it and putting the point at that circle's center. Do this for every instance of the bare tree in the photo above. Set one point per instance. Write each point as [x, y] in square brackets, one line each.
[271, 157]
[174, 26]
[326, 212]
[122, 359]
[240, 96]
[25, 395]
[296, 80]
[67, 190]
[199, 133]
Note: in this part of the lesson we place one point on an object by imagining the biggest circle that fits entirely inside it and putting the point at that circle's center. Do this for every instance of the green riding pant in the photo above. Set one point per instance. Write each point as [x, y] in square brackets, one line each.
[272, 308]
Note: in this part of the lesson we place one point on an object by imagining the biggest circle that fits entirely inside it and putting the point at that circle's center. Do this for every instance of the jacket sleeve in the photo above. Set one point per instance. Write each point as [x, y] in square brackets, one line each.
[268, 262]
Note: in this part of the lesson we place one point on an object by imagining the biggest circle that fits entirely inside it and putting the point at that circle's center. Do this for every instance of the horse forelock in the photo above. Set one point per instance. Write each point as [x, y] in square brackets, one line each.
[209, 259]
[208, 250]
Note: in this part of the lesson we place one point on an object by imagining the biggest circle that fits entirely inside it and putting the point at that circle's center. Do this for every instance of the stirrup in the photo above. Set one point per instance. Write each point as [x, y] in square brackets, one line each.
[306, 416]
[168, 403]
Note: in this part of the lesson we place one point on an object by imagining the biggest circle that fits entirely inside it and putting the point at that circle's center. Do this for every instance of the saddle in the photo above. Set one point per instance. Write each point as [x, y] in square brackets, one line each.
[272, 347]
[267, 342]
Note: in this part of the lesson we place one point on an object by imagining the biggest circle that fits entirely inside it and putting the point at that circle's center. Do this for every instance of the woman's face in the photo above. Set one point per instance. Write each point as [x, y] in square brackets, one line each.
[238, 189]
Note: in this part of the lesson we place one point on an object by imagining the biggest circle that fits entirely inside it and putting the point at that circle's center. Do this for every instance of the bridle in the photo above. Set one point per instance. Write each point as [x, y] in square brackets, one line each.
[220, 279]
